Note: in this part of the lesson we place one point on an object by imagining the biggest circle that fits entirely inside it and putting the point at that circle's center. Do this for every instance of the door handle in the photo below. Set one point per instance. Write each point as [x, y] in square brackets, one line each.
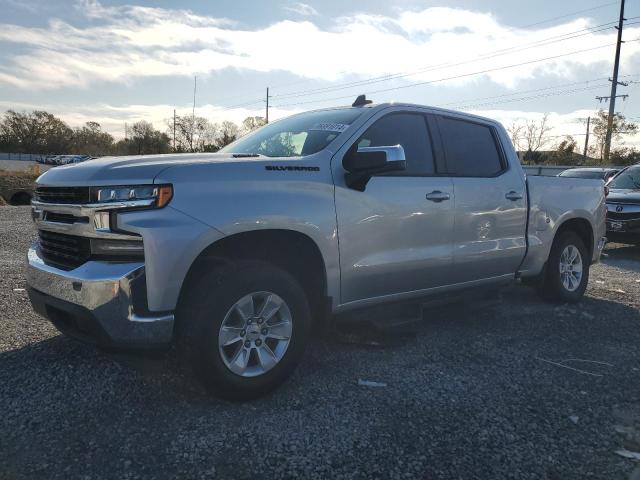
[438, 196]
[513, 196]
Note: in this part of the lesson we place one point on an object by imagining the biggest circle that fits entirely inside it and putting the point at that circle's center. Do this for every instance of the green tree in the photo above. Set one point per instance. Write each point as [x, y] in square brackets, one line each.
[624, 156]
[252, 123]
[620, 127]
[35, 132]
[91, 140]
[565, 152]
[144, 140]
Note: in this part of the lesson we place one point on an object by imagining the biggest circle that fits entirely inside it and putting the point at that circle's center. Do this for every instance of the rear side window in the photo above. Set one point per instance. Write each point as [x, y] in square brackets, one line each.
[470, 148]
[410, 131]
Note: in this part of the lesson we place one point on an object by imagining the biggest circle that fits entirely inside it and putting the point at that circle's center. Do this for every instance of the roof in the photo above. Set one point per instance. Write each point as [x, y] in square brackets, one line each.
[382, 106]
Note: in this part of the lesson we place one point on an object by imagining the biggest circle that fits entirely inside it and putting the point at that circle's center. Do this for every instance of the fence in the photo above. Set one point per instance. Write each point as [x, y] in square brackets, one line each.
[23, 157]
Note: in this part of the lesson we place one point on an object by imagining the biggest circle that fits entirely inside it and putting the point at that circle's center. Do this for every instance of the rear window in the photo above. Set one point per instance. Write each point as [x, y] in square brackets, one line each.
[470, 148]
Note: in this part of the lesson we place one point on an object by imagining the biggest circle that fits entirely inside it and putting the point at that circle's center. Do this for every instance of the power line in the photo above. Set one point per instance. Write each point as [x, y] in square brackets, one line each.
[486, 56]
[532, 97]
[454, 77]
[519, 92]
[501, 99]
[570, 14]
[253, 102]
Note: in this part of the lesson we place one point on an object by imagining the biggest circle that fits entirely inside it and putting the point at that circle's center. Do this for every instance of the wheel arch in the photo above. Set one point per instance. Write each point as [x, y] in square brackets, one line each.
[291, 250]
[582, 227]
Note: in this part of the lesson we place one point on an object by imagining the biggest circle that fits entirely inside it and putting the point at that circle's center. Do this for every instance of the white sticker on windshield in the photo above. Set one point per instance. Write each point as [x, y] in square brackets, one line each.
[330, 127]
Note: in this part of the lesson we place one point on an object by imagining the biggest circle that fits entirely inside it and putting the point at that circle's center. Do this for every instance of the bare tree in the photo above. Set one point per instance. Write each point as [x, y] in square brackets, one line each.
[195, 134]
[228, 133]
[535, 133]
[515, 132]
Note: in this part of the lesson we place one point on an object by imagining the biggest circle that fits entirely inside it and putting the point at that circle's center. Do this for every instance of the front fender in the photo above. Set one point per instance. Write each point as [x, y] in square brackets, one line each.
[237, 199]
[172, 241]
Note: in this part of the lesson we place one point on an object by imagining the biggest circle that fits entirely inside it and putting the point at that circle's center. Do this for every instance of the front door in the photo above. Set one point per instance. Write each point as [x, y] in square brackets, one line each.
[396, 236]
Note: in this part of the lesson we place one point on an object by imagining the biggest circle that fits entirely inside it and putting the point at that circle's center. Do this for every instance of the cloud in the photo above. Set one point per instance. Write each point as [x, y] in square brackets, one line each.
[122, 43]
[301, 9]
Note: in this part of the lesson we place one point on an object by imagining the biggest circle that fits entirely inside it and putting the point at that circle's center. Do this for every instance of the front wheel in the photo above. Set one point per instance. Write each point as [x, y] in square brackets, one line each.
[567, 272]
[246, 326]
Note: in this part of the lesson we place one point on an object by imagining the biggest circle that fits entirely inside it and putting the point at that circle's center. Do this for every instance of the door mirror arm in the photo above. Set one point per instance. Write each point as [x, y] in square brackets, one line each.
[365, 162]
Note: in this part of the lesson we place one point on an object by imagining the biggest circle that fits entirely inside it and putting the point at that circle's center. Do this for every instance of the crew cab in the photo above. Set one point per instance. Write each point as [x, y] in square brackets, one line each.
[235, 255]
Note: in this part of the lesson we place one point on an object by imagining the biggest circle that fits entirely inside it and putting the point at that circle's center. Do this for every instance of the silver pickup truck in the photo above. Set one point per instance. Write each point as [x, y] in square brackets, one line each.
[235, 255]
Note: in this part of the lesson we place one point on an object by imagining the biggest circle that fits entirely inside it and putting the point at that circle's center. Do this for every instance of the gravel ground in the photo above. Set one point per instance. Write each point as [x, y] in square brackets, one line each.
[470, 394]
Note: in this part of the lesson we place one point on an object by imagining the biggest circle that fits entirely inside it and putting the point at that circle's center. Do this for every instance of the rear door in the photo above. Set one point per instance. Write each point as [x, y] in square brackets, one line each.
[490, 204]
[392, 238]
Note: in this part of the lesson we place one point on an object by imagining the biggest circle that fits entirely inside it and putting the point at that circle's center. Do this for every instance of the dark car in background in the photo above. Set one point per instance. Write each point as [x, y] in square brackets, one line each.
[594, 173]
[623, 206]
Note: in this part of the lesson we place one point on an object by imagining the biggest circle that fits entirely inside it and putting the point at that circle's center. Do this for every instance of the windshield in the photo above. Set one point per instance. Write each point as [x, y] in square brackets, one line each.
[298, 135]
[628, 179]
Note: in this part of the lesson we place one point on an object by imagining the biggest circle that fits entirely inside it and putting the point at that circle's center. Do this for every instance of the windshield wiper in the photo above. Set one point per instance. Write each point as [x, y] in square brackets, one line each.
[245, 155]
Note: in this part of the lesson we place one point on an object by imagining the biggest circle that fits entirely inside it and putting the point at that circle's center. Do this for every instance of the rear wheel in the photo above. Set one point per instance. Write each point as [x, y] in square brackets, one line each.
[567, 272]
[246, 328]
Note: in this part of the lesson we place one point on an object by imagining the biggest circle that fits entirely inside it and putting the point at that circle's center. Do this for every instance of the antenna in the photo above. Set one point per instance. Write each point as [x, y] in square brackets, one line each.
[361, 101]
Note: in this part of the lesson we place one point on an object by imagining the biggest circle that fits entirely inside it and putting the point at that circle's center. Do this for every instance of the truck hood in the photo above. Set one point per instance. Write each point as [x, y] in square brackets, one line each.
[128, 170]
[624, 196]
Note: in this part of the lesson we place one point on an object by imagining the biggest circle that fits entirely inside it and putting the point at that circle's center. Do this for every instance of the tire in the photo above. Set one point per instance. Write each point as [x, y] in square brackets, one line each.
[566, 287]
[213, 303]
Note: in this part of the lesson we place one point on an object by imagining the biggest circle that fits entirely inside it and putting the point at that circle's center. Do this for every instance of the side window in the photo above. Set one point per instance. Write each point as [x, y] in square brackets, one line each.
[410, 131]
[470, 148]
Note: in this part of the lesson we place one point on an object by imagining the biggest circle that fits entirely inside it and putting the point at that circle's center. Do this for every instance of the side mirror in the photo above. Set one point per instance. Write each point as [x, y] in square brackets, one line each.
[363, 163]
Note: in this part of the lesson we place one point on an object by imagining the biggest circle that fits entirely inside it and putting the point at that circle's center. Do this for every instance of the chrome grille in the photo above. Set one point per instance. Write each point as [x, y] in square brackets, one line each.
[77, 195]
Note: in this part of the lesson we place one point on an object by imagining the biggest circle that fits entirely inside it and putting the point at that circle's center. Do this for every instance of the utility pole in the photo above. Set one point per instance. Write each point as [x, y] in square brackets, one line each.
[586, 140]
[614, 86]
[174, 130]
[125, 131]
[267, 112]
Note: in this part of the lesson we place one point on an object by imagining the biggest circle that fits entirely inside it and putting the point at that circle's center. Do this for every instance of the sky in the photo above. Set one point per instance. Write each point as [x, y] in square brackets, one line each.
[118, 62]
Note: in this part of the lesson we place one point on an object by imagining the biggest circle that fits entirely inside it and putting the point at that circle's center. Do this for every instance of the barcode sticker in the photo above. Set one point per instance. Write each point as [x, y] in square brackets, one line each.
[330, 127]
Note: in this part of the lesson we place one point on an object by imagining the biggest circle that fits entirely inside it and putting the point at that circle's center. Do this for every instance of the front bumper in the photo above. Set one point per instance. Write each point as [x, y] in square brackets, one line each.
[99, 302]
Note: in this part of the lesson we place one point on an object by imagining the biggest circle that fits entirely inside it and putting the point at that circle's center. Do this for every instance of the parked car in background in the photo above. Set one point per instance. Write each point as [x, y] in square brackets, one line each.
[236, 254]
[594, 173]
[623, 206]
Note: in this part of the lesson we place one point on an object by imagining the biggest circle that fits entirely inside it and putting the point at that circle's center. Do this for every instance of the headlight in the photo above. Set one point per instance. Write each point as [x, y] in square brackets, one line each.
[155, 196]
